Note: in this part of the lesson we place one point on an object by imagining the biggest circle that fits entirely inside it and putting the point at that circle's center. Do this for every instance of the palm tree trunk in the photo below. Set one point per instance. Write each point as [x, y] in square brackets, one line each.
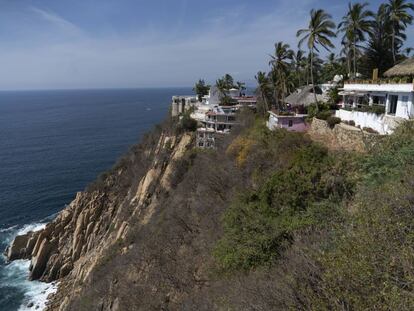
[355, 64]
[299, 77]
[393, 43]
[313, 82]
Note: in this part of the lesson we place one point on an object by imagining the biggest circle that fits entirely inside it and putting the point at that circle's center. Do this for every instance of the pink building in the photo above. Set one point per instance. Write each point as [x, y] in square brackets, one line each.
[294, 122]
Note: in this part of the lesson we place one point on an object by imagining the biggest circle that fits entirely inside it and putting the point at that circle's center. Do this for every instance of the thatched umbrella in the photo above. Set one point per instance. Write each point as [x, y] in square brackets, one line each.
[405, 68]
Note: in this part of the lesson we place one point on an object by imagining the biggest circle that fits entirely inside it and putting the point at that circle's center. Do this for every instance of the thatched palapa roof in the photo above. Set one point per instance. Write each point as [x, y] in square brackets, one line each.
[405, 68]
[304, 97]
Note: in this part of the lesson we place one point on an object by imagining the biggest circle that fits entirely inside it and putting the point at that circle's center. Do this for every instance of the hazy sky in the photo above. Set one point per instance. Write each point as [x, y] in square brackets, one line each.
[49, 44]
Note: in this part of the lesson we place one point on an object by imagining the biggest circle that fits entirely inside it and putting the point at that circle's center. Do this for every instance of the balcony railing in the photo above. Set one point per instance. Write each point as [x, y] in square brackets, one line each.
[377, 109]
[403, 80]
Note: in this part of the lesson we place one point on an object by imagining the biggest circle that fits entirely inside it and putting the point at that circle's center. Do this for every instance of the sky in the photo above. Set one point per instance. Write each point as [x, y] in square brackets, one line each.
[72, 44]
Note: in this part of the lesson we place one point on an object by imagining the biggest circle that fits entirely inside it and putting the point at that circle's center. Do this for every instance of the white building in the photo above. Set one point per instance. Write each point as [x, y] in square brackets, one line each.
[182, 103]
[382, 104]
[214, 119]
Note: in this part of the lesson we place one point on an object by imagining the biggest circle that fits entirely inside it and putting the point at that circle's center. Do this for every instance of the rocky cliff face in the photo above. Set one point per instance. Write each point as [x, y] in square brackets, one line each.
[71, 247]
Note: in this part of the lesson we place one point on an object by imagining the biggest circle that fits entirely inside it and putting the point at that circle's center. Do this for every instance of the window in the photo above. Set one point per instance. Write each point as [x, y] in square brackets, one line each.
[290, 123]
[393, 101]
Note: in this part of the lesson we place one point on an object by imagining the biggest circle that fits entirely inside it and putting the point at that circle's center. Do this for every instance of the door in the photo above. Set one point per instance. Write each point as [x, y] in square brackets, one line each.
[392, 109]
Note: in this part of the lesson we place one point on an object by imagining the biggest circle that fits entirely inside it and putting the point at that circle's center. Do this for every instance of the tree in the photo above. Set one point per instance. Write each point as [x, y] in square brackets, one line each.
[355, 25]
[300, 63]
[378, 53]
[241, 86]
[201, 89]
[280, 66]
[221, 87]
[228, 81]
[398, 13]
[264, 89]
[331, 68]
[319, 32]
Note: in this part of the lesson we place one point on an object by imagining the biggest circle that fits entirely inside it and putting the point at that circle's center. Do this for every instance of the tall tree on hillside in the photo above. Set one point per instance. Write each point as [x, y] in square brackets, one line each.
[378, 52]
[318, 33]
[222, 89]
[201, 89]
[264, 89]
[228, 81]
[299, 61]
[355, 25]
[346, 52]
[331, 68]
[280, 63]
[398, 13]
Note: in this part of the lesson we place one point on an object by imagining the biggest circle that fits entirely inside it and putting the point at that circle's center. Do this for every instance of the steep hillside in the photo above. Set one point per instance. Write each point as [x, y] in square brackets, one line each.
[269, 221]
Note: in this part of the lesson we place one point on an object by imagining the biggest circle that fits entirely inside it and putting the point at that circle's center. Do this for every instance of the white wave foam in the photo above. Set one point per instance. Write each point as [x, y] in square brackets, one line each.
[8, 229]
[35, 293]
[32, 227]
[15, 274]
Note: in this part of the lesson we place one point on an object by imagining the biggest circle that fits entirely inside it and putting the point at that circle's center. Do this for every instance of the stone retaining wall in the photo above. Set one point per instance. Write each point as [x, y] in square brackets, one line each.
[342, 136]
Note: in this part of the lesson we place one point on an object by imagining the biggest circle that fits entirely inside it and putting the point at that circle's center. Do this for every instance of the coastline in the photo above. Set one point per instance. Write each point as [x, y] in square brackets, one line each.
[15, 274]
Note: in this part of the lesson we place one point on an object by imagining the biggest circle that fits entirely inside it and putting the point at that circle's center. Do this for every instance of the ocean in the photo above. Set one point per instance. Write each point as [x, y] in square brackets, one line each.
[52, 145]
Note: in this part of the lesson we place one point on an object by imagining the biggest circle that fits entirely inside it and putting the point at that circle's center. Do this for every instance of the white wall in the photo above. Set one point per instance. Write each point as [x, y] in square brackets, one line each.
[365, 119]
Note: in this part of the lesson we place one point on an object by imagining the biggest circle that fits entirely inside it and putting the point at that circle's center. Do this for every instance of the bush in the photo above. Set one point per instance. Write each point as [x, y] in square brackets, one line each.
[187, 123]
[332, 121]
[260, 224]
[312, 110]
[351, 122]
[285, 113]
[324, 115]
[377, 109]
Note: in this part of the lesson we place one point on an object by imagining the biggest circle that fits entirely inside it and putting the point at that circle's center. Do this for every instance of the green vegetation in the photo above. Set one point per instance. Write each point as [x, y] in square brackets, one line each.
[187, 123]
[332, 121]
[358, 209]
[260, 223]
[201, 89]
[377, 109]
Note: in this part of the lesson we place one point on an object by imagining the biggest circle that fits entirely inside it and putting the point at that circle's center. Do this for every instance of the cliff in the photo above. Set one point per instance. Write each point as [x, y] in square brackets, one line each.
[76, 241]
[269, 221]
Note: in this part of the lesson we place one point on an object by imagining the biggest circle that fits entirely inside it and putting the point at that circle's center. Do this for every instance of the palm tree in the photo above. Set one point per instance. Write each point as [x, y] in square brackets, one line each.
[398, 13]
[355, 24]
[241, 86]
[299, 60]
[222, 88]
[378, 52]
[264, 88]
[280, 65]
[319, 32]
[229, 81]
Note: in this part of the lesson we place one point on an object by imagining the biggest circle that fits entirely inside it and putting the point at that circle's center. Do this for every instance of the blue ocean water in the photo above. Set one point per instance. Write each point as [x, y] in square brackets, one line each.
[52, 144]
